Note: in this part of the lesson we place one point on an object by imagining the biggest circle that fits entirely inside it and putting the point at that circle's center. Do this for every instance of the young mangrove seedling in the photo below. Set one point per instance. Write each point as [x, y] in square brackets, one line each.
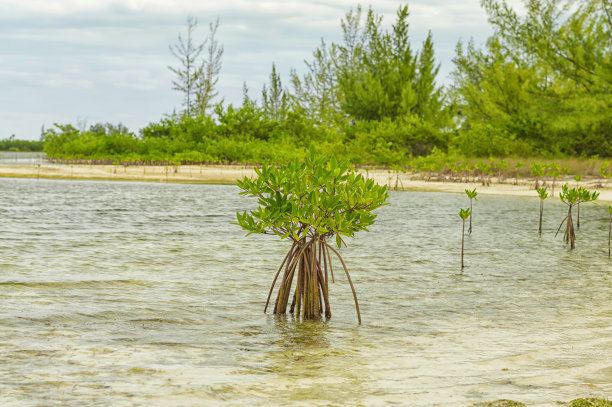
[571, 197]
[537, 171]
[472, 195]
[463, 214]
[501, 167]
[543, 194]
[516, 171]
[309, 203]
[577, 178]
[552, 170]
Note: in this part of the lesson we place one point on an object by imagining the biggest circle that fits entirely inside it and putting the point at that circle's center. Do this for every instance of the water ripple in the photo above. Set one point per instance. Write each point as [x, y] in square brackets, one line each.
[125, 293]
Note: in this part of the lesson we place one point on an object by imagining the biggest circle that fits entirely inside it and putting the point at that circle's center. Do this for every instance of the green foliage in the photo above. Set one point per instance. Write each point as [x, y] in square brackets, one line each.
[542, 193]
[308, 202]
[605, 170]
[573, 196]
[317, 197]
[196, 77]
[379, 77]
[275, 101]
[540, 87]
[189, 71]
[538, 169]
[471, 194]
[11, 144]
[315, 94]
[465, 213]
[543, 82]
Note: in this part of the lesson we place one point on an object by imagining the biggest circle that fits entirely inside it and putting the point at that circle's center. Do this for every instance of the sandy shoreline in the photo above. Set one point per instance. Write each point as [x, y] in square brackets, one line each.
[228, 174]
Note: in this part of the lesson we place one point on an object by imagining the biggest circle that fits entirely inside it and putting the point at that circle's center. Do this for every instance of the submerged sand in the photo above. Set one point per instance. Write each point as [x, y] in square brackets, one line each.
[228, 174]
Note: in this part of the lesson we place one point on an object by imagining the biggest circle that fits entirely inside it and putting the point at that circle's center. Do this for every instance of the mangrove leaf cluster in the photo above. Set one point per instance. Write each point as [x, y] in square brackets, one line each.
[308, 203]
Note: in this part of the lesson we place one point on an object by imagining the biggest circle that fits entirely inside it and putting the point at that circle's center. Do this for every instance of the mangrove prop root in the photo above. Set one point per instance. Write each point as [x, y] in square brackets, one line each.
[276, 276]
[349, 281]
[331, 269]
[309, 263]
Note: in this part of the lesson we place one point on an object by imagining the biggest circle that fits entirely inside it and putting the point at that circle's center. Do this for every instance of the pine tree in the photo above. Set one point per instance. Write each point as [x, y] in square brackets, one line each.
[211, 67]
[316, 93]
[274, 98]
[189, 73]
[429, 99]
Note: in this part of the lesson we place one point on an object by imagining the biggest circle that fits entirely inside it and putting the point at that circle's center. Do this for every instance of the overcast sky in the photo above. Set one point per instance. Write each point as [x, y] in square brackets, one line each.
[89, 61]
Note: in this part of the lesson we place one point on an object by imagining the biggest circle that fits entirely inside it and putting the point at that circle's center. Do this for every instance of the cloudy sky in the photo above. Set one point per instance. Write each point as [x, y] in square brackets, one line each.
[89, 61]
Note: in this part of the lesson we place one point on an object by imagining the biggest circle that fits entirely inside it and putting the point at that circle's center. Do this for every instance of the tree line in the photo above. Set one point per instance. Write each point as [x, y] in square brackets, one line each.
[15, 145]
[540, 86]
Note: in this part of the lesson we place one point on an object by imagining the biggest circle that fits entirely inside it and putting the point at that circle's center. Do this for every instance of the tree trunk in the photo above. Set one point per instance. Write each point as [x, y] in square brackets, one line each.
[310, 296]
[470, 229]
[462, 240]
[571, 234]
[541, 212]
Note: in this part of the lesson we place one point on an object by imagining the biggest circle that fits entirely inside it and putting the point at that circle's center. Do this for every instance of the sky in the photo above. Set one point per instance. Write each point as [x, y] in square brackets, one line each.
[90, 61]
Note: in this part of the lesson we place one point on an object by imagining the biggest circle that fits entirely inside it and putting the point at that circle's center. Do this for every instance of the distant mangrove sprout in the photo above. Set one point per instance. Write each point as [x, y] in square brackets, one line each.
[463, 214]
[542, 194]
[571, 197]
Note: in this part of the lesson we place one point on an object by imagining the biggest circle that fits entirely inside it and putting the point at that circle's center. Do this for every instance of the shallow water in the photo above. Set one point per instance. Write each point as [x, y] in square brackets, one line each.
[141, 294]
[34, 158]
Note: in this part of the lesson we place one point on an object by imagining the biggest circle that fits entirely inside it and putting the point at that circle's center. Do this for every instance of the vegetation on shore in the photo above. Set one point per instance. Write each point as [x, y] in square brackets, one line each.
[14, 145]
[373, 99]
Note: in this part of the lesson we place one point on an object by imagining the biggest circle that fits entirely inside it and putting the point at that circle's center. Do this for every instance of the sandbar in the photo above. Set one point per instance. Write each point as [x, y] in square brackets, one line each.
[228, 174]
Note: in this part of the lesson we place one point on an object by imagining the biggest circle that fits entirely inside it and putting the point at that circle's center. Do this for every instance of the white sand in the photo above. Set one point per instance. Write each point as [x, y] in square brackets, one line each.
[230, 173]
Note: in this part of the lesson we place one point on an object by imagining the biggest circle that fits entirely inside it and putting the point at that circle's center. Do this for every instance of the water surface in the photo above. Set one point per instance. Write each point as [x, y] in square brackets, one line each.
[142, 294]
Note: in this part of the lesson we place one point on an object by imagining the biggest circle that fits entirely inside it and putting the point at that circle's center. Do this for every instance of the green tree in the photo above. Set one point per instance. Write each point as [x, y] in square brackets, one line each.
[379, 76]
[429, 97]
[211, 67]
[571, 197]
[315, 94]
[275, 100]
[308, 203]
[189, 72]
[544, 80]
[196, 78]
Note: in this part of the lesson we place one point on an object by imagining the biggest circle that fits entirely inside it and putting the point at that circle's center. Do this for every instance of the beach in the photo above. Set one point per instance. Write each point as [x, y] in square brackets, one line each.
[228, 174]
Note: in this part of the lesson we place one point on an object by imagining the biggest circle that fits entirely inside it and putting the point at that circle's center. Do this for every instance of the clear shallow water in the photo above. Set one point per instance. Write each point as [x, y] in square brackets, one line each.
[130, 294]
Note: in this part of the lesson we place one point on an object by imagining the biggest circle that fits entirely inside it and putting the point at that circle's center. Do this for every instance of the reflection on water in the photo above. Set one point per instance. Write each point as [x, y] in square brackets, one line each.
[146, 294]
